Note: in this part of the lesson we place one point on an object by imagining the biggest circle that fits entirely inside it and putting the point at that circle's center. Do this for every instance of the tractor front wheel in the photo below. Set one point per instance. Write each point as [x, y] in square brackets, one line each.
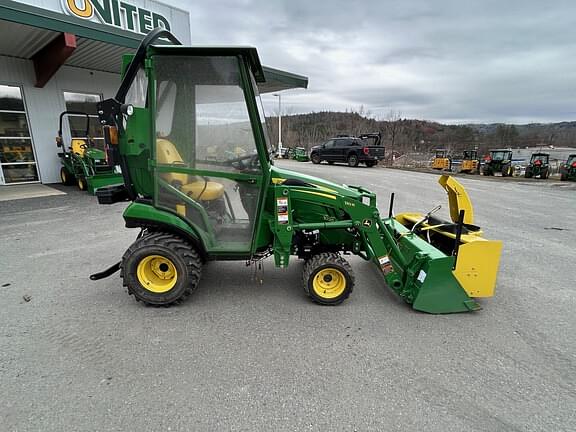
[65, 176]
[161, 269]
[328, 278]
[81, 182]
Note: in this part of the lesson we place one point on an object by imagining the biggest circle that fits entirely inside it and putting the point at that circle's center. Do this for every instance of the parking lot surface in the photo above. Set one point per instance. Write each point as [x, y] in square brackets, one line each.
[251, 352]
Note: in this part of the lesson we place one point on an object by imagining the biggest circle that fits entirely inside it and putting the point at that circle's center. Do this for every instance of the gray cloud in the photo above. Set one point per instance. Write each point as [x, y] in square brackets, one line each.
[453, 61]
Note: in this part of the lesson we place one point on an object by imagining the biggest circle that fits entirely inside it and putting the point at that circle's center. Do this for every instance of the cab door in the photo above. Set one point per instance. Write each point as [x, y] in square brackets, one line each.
[208, 168]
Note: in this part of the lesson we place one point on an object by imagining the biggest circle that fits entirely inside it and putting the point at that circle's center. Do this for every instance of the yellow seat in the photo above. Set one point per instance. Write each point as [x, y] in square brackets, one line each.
[195, 187]
[78, 146]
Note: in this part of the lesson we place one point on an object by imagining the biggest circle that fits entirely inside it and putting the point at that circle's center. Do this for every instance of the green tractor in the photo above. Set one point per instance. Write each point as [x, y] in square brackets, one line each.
[568, 169]
[191, 209]
[539, 166]
[498, 162]
[297, 153]
[82, 163]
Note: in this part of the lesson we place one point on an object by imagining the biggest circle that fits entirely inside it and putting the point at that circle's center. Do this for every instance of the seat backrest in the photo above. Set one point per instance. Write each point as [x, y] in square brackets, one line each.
[78, 146]
[168, 154]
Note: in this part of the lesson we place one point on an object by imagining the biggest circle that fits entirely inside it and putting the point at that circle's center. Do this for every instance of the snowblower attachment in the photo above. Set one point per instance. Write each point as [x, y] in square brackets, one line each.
[441, 266]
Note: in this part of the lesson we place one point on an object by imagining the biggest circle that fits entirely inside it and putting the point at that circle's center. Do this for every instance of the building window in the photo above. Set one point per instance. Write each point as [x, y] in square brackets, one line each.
[84, 103]
[17, 161]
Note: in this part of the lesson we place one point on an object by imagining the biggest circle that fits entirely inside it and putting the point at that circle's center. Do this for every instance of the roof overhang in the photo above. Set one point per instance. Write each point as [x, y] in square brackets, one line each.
[27, 30]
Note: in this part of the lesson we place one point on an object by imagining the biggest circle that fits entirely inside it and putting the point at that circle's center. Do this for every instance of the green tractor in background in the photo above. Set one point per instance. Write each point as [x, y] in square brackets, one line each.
[82, 163]
[539, 166]
[498, 162]
[568, 169]
[193, 206]
[297, 153]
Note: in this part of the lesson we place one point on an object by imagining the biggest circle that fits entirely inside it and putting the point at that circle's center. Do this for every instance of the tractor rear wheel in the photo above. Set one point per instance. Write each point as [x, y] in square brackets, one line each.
[315, 158]
[353, 160]
[66, 177]
[161, 269]
[563, 177]
[328, 278]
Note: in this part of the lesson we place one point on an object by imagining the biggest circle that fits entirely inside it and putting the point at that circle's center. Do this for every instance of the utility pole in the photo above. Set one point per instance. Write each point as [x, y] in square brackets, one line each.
[279, 96]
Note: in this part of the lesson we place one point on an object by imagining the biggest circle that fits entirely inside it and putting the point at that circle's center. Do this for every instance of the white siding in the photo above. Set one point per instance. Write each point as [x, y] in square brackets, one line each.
[44, 105]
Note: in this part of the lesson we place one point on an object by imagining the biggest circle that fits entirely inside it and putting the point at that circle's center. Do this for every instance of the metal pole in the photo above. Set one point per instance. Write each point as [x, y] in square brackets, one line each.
[279, 96]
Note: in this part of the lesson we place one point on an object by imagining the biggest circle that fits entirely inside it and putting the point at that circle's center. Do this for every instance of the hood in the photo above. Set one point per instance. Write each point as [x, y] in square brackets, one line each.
[327, 186]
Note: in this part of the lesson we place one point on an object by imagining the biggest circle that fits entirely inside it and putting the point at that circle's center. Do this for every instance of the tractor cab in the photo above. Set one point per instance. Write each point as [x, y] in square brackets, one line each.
[538, 166]
[442, 160]
[498, 162]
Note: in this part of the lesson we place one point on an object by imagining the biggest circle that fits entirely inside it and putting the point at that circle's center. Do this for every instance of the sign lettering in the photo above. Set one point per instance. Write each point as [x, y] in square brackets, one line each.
[116, 13]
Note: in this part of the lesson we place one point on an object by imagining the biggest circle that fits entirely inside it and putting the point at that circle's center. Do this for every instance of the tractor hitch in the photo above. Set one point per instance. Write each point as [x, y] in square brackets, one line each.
[104, 274]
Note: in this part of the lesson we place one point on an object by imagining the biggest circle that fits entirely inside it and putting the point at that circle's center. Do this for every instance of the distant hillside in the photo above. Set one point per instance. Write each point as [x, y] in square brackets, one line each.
[407, 135]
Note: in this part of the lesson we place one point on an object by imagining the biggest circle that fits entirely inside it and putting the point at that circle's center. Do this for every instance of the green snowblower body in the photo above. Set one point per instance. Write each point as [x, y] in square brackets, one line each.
[198, 169]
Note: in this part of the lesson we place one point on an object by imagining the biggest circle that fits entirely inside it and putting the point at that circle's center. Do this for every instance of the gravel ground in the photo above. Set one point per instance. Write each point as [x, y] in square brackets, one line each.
[245, 355]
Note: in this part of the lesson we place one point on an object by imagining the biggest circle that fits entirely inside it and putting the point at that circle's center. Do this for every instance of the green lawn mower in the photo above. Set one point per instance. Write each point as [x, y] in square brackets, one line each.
[568, 169]
[539, 166]
[298, 154]
[82, 163]
[499, 162]
[191, 208]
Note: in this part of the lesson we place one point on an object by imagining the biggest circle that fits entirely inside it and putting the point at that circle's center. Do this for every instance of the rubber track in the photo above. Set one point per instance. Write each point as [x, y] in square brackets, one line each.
[179, 246]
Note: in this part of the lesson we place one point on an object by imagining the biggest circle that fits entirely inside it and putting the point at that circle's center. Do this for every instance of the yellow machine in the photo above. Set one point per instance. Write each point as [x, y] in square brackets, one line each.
[442, 161]
[478, 259]
[470, 162]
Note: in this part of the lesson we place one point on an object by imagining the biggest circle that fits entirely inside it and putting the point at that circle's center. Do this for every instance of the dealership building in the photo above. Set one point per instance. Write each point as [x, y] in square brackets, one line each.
[59, 55]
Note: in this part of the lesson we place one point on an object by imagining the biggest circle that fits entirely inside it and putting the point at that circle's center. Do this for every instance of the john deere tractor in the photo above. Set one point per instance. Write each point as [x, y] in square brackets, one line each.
[82, 162]
[568, 169]
[442, 161]
[191, 209]
[470, 162]
[498, 162]
[539, 166]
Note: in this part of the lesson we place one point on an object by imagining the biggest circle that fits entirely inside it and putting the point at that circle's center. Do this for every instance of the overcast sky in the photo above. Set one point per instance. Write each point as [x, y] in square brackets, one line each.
[449, 61]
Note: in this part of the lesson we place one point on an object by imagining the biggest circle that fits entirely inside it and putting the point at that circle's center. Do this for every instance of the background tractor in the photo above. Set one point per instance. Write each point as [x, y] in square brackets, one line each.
[539, 166]
[498, 162]
[442, 161]
[83, 163]
[191, 208]
[470, 162]
[568, 169]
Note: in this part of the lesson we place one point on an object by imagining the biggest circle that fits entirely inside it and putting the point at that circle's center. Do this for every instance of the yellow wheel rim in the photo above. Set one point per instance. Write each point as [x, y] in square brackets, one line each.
[329, 283]
[157, 273]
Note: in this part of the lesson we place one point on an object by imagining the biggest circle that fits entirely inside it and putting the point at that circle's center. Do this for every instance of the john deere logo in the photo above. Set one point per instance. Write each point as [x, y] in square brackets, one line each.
[116, 13]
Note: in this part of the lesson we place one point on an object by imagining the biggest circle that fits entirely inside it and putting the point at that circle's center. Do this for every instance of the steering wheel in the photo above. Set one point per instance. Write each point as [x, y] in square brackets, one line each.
[241, 164]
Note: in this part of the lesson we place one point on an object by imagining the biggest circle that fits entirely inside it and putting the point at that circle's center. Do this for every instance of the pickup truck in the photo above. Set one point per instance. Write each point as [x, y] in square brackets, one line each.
[364, 149]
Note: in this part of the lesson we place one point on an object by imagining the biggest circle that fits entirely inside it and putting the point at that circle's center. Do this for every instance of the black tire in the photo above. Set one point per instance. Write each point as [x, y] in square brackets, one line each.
[81, 183]
[528, 174]
[181, 254]
[327, 262]
[66, 178]
[370, 164]
[315, 158]
[563, 177]
[353, 160]
[506, 171]
[544, 174]
[330, 162]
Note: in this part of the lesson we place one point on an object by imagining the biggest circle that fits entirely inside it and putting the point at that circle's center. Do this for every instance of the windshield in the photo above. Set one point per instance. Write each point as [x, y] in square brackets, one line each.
[542, 158]
[499, 155]
[571, 160]
[261, 114]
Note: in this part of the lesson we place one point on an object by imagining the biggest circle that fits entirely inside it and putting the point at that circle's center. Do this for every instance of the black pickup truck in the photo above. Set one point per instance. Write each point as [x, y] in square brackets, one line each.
[351, 150]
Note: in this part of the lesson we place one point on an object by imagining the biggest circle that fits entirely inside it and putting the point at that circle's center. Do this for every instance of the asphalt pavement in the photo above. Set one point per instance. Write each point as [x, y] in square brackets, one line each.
[250, 352]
